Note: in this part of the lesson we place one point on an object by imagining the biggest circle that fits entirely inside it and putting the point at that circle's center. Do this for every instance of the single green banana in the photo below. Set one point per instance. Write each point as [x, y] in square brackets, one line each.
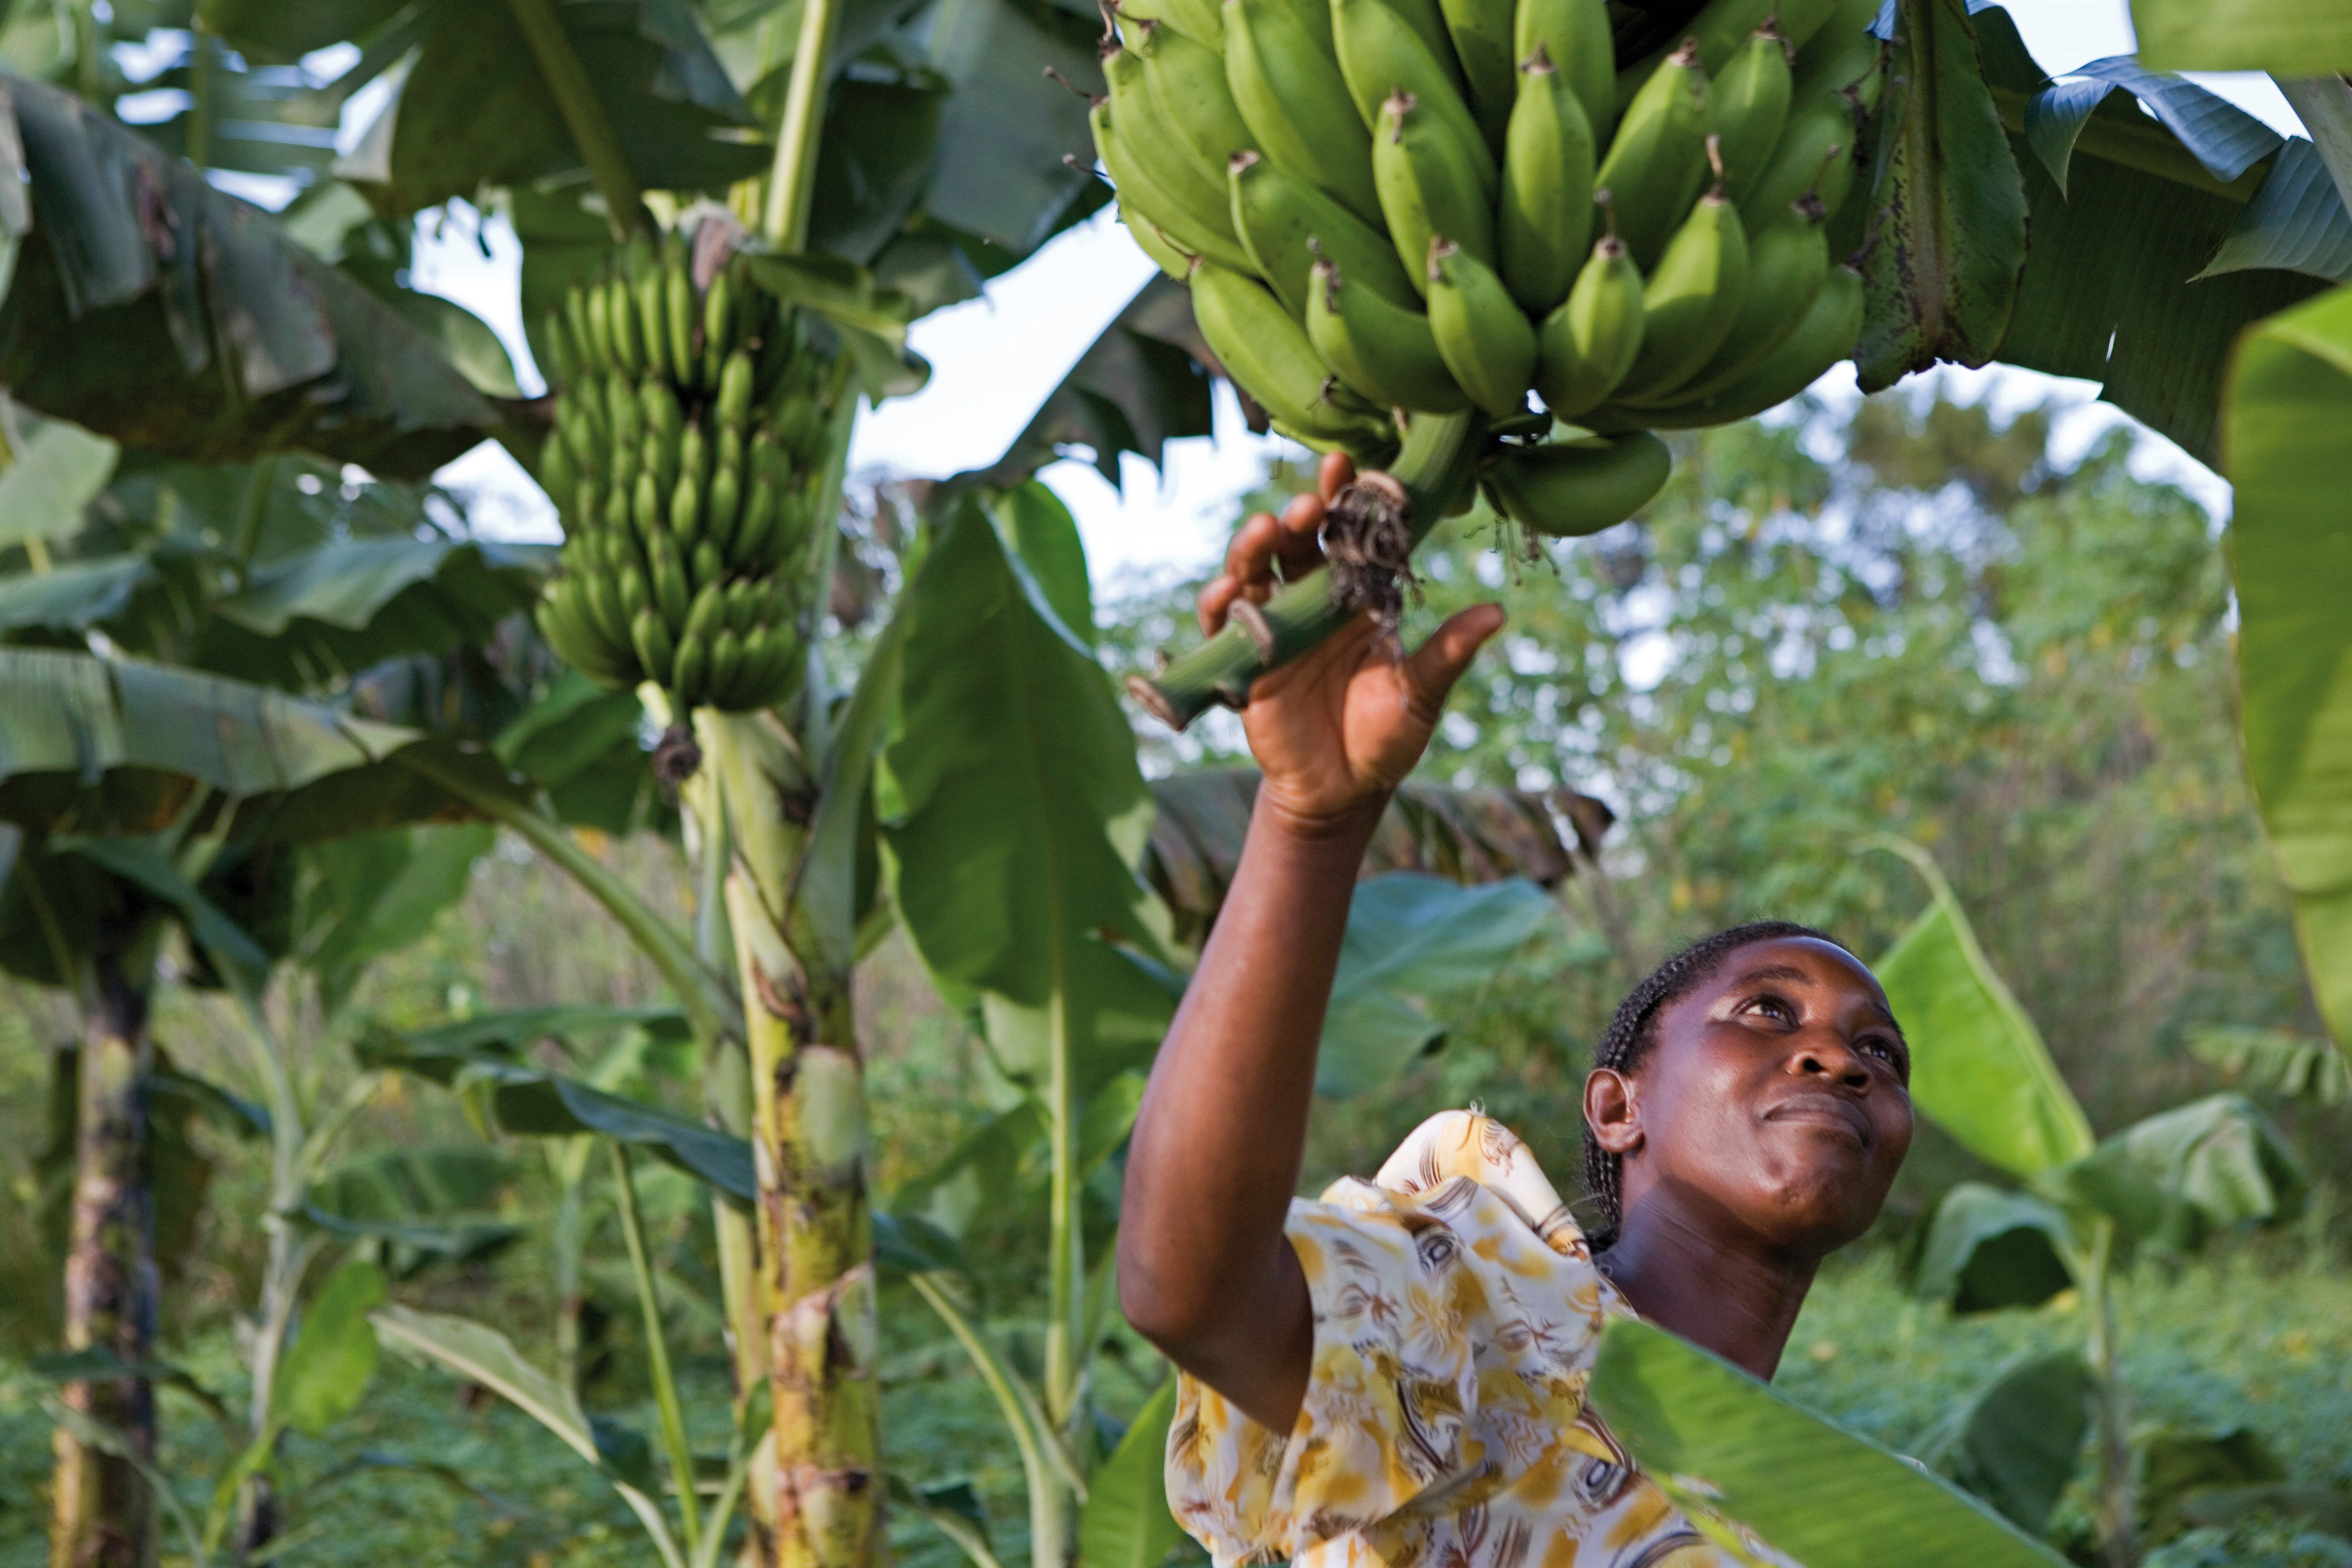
[1839, 54]
[690, 671]
[1746, 105]
[718, 325]
[726, 663]
[735, 391]
[1543, 221]
[1187, 84]
[1165, 253]
[1384, 351]
[1428, 188]
[1585, 347]
[1691, 299]
[560, 359]
[621, 314]
[1284, 221]
[557, 474]
[1381, 53]
[758, 521]
[647, 511]
[1198, 20]
[706, 613]
[1787, 264]
[604, 608]
[1814, 155]
[665, 574]
[588, 364]
[653, 319]
[600, 328]
[1144, 197]
[1825, 336]
[1568, 489]
[1481, 33]
[1574, 36]
[1657, 163]
[655, 652]
[678, 308]
[703, 564]
[686, 509]
[1268, 353]
[1481, 334]
[743, 606]
[1187, 202]
[725, 494]
[1295, 103]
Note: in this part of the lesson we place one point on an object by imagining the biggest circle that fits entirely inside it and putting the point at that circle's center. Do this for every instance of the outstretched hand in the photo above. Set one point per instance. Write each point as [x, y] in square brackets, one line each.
[1338, 729]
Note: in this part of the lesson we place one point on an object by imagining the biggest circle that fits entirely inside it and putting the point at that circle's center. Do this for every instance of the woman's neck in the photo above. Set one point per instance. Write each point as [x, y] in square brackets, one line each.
[1683, 1270]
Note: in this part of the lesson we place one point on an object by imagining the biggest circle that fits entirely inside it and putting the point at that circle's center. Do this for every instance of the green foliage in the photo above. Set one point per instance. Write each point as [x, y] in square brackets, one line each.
[325, 1371]
[2291, 554]
[1979, 1069]
[1715, 1438]
[1412, 938]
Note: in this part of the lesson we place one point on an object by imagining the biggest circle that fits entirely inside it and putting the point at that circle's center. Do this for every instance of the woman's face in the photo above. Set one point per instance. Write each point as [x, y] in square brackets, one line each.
[1774, 1099]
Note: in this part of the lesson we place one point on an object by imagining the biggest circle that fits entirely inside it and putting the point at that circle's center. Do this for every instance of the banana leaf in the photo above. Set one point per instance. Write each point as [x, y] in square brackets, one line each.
[2290, 404]
[1717, 1439]
[156, 310]
[1013, 817]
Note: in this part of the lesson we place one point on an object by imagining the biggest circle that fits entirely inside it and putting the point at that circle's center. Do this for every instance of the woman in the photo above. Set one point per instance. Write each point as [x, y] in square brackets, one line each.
[1396, 1373]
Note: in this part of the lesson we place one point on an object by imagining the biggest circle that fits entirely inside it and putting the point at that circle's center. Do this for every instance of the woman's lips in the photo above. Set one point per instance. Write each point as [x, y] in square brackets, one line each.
[1830, 1110]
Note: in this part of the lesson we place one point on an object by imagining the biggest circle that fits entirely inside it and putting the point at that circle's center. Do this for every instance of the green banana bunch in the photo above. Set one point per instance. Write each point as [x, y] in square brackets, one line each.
[688, 456]
[1387, 208]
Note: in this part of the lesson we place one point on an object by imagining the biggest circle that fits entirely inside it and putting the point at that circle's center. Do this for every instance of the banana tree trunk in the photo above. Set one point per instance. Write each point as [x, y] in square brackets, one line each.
[814, 1230]
[102, 1513]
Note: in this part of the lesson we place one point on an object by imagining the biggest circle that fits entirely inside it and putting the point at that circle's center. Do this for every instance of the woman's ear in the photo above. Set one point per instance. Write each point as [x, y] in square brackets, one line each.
[1612, 1110]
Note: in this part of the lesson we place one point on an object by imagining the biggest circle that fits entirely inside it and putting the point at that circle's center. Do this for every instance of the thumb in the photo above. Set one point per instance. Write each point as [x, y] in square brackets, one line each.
[1438, 663]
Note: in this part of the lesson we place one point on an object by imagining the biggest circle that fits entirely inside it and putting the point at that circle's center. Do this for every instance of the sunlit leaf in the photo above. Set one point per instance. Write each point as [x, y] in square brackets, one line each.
[1012, 815]
[2292, 37]
[1714, 1436]
[326, 1370]
[2179, 1177]
[1126, 1523]
[1978, 1068]
[2290, 403]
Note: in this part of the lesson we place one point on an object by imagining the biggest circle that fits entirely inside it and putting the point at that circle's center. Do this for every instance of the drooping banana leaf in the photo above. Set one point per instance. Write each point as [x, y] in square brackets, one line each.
[1717, 1439]
[2107, 292]
[154, 310]
[2290, 405]
[1978, 1068]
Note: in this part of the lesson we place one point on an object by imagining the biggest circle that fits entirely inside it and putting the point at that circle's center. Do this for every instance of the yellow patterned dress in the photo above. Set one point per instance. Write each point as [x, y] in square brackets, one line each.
[1457, 1315]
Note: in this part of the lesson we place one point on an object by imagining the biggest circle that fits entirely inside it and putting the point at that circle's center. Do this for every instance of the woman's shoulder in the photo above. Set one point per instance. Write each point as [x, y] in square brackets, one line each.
[1444, 1167]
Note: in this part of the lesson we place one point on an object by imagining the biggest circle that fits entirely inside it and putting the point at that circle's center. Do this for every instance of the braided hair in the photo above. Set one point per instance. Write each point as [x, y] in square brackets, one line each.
[1635, 1030]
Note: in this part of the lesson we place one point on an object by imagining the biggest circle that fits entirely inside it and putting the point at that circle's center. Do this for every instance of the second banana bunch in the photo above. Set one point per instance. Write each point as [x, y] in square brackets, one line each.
[1390, 207]
[687, 462]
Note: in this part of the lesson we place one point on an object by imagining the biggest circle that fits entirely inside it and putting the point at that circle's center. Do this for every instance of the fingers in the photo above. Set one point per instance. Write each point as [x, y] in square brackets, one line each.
[1300, 549]
[1438, 663]
[1337, 472]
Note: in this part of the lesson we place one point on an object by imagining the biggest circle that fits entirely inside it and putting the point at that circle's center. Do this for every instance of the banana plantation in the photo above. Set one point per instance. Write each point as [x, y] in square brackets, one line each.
[620, 1045]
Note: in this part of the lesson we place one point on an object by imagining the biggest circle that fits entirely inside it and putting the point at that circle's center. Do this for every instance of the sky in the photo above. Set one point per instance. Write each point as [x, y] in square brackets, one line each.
[994, 359]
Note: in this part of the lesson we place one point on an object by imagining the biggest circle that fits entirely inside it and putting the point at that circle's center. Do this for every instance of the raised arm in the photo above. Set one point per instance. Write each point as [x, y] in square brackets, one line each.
[1204, 1271]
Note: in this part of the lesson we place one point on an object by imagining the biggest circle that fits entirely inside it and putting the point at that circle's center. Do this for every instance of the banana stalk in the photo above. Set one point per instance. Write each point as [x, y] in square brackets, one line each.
[1430, 475]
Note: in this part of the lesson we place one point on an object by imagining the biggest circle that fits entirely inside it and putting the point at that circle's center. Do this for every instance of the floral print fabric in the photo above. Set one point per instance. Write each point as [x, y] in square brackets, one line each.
[1457, 1313]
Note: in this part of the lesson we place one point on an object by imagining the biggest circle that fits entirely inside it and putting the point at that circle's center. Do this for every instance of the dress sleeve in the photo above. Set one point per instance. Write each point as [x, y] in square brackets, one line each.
[1454, 1334]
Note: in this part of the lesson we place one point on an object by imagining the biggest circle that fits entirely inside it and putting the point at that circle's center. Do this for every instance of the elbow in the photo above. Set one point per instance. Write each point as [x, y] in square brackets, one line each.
[1156, 1306]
